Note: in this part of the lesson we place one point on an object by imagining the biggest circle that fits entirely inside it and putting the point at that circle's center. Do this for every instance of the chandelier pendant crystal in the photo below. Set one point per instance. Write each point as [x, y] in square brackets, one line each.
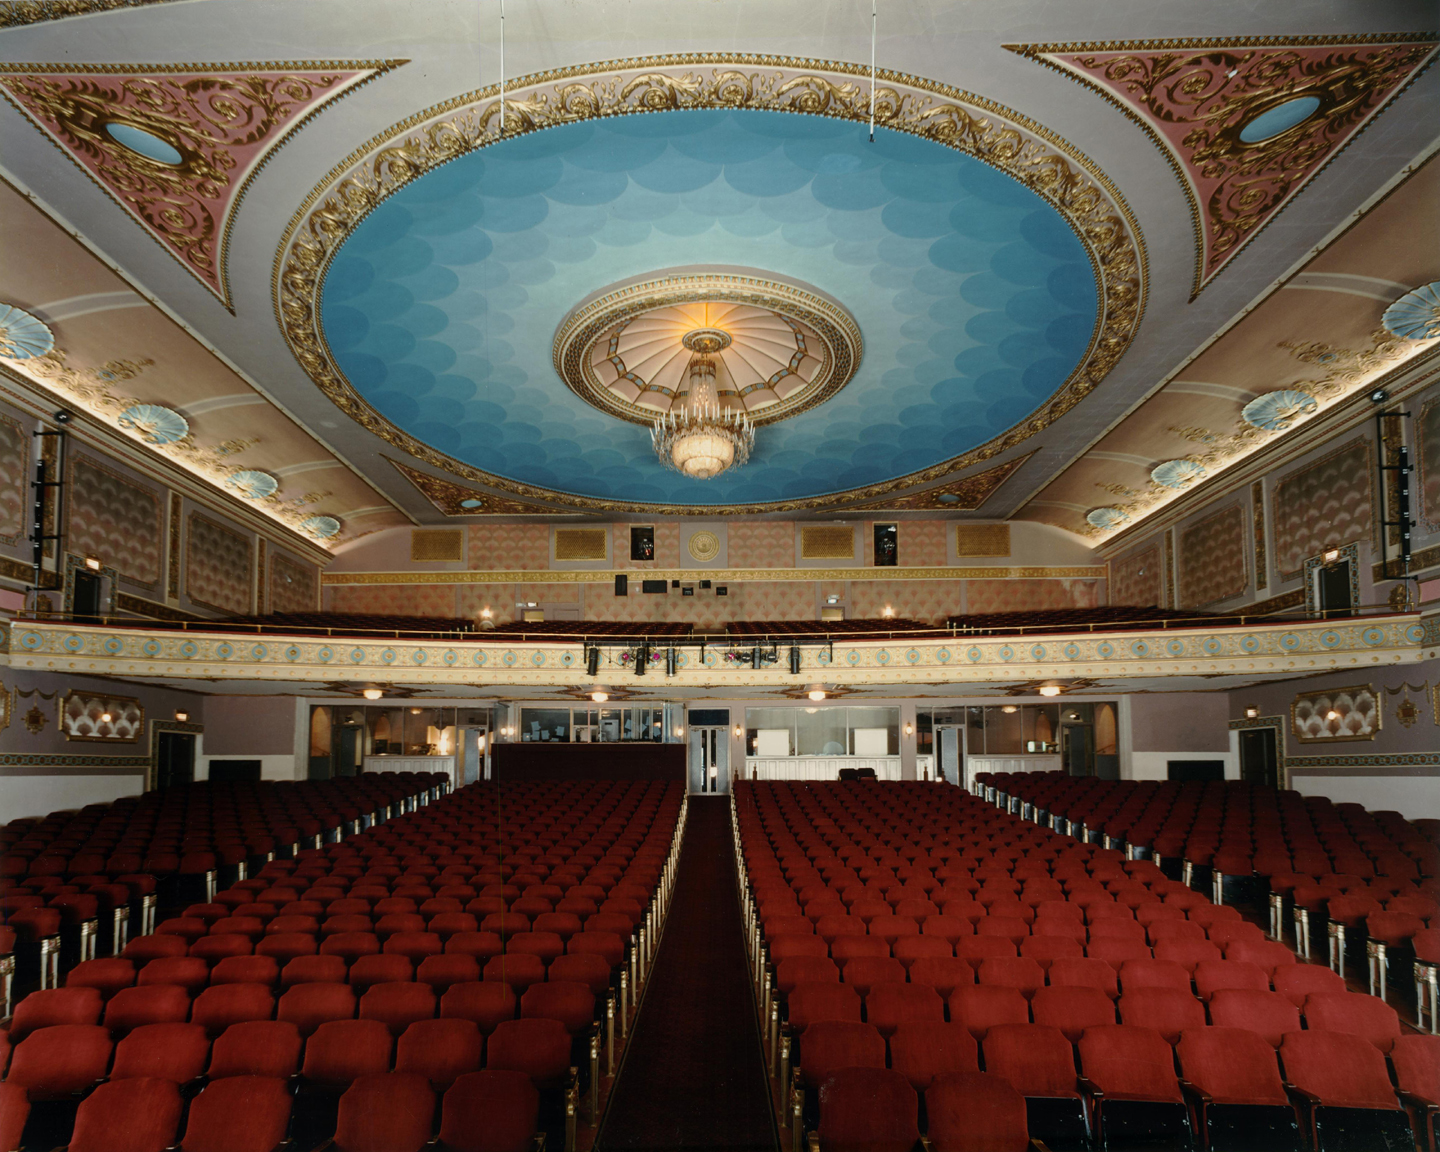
[699, 437]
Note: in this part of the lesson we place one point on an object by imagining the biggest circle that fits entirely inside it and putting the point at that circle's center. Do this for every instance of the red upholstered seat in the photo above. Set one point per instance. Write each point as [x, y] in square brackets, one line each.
[1354, 1013]
[47, 1008]
[920, 1051]
[890, 1004]
[834, 1044]
[1072, 1009]
[486, 1003]
[539, 1048]
[398, 1004]
[216, 1009]
[983, 1006]
[490, 1111]
[308, 1006]
[813, 1001]
[149, 1004]
[385, 1112]
[138, 1115]
[1035, 1059]
[944, 974]
[1130, 1063]
[1296, 982]
[14, 1112]
[440, 1050]
[1232, 1066]
[1268, 1014]
[1338, 1069]
[264, 1048]
[868, 1110]
[61, 1060]
[174, 1052]
[342, 1050]
[1167, 1011]
[975, 1112]
[238, 1114]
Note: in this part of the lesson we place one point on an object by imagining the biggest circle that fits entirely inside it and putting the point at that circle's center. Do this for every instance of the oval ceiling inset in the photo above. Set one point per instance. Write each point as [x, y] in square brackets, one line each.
[1416, 315]
[144, 143]
[1280, 118]
[1177, 473]
[322, 527]
[251, 484]
[1105, 517]
[155, 423]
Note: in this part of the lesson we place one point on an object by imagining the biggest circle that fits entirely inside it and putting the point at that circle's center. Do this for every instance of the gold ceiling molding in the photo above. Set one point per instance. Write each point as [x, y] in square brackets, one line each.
[1028, 152]
[603, 319]
[457, 500]
[18, 13]
[1196, 97]
[730, 575]
[970, 492]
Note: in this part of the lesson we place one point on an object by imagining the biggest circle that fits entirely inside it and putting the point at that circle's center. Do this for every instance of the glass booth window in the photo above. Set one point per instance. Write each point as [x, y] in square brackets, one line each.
[593, 725]
[835, 730]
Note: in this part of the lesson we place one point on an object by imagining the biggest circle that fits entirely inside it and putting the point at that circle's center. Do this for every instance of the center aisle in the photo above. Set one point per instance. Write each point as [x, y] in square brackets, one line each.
[694, 1073]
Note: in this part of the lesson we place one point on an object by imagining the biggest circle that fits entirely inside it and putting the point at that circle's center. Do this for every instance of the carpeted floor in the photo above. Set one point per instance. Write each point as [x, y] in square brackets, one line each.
[694, 1073]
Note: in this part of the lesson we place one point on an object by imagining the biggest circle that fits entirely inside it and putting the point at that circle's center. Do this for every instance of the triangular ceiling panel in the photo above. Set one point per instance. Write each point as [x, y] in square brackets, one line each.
[177, 146]
[458, 500]
[1246, 124]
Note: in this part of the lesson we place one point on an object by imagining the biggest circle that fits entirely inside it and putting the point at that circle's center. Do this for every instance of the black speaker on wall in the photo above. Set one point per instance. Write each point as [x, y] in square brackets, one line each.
[622, 585]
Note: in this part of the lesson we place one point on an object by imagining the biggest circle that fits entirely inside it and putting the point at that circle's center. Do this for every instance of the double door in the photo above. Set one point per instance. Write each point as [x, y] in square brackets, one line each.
[709, 759]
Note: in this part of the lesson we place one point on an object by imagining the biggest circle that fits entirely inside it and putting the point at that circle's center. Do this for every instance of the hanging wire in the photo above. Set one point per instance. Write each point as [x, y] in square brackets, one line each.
[873, 19]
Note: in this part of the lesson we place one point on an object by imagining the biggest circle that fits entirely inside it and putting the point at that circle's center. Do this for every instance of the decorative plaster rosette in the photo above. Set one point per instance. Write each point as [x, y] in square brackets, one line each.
[1276, 411]
[155, 423]
[1177, 473]
[321, 527]
[23, 336]
[1415, 316]
[1026, 151]
[251, 484]
[624, 350]
[1105, 518]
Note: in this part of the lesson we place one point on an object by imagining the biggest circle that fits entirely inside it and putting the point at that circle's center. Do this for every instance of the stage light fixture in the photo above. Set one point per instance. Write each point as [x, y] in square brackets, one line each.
[794, 659]
[592, 661]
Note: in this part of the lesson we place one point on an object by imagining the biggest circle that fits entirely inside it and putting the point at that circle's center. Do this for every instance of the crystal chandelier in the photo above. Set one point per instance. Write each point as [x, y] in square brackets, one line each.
[699, 438]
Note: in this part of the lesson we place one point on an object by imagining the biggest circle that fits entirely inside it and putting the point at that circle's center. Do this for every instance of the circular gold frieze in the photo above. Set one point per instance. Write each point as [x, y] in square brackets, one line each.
[779, 346]
[703, 546]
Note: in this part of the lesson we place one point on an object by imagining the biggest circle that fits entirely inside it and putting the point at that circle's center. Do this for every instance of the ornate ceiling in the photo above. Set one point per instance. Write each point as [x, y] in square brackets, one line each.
[1050, 222]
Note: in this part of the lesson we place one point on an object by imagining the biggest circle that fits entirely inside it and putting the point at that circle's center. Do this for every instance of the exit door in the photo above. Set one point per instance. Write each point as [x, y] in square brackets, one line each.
[1332, 590]
[175, 759]
[1259, 758]
[709, 760]
[947, 744]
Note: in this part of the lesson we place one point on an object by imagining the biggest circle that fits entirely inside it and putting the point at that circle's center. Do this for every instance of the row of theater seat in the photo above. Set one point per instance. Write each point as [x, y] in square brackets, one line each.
[877, 904]
[349, 948]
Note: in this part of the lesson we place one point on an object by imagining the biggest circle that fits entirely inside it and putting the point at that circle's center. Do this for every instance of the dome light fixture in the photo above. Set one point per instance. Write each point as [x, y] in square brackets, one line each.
[373, 693]
[599, 696]
[699, 437]
[1050, 690]
[817, 694]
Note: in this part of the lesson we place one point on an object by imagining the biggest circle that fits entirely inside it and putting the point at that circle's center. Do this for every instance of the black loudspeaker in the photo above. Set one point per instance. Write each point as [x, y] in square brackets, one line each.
[794, 659]
[592, 661]
[622, 585]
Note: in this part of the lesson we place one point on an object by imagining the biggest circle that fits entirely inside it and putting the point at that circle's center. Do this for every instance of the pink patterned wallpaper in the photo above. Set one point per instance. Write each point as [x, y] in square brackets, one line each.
[217, 566]
[1029, 595]
[761, 544]
[1136, 579]
[1321, 505]
[510, 547]
[395, 599]
[115, 519]
[1212, 558]
[922, 542]
[928, 600]
[292, 584]
[14, 475]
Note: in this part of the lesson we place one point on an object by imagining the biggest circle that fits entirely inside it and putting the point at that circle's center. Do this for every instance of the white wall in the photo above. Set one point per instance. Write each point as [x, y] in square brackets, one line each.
[22, 796]
[1414, 797]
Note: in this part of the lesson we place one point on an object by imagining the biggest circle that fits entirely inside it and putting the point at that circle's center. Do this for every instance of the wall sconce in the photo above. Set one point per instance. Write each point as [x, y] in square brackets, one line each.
[1330, 715]
[1251, 712]
[909, 728]
[888, 613]
[738, 730]
[181, 715]
[92, 563]
[105, 717]
[1331, 556]
[679, 731]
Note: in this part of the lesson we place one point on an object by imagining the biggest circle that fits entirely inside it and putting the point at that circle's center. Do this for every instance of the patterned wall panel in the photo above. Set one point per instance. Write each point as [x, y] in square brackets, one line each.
[1212, 558]
[1029, 595]
[1136, 579]
[762, 544]
[399, 599]
[14, 475]
[117, 520]
[218, 563]
[508, 547]
[1427, 434]
[927, 600]
[1325, 503]
[922, 542]
[292, 584]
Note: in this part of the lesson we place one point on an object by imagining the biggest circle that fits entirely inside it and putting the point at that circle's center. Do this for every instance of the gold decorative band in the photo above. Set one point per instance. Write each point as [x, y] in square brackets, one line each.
[718, 575]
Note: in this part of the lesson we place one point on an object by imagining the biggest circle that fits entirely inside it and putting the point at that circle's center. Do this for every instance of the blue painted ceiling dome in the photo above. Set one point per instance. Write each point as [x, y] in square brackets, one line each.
[975, 299]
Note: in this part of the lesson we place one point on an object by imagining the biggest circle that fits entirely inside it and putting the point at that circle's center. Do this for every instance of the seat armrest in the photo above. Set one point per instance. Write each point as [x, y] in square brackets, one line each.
[1300, 1094]
[1422, 1102]
[1198, 1094]
[1038, 1145]
[1089, 1088]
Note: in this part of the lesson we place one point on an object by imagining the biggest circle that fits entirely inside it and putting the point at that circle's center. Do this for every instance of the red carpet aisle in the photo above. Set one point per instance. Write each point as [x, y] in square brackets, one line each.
[693, 1075]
